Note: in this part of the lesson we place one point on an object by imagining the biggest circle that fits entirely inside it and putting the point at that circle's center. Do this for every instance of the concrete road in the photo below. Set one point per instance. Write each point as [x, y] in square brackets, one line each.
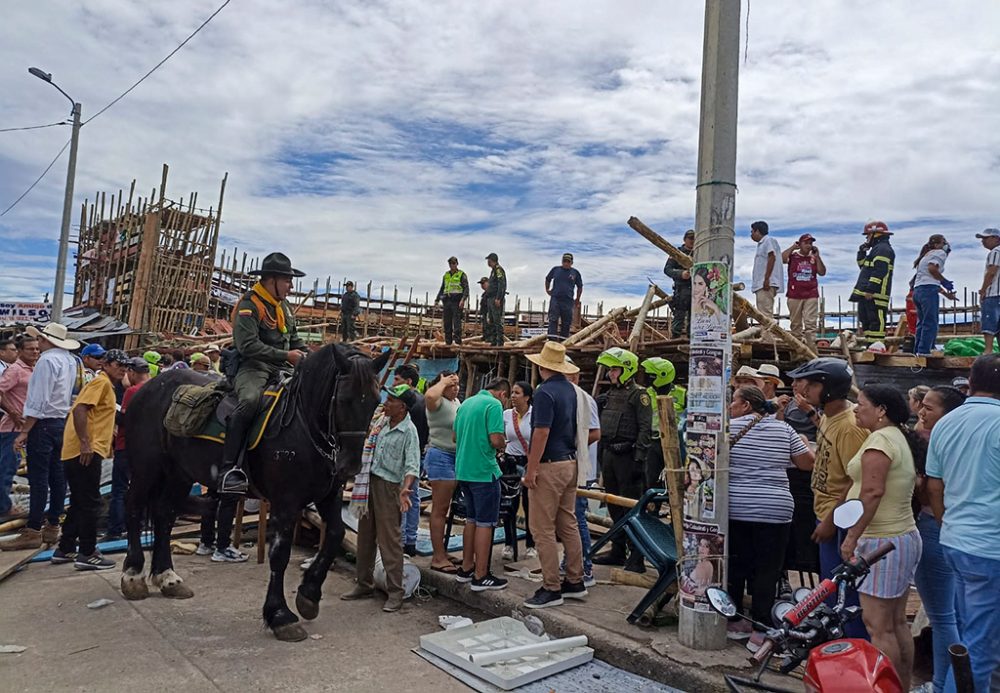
[213, 642]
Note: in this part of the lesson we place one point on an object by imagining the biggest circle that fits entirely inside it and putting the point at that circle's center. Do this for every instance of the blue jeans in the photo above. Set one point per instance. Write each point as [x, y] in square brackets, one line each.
[581, 520]
[935, 581]
[119, 486]
[926, 300]
[829, 559]
[45, 472]
[8, 468]
[411, 518]
[977, 582]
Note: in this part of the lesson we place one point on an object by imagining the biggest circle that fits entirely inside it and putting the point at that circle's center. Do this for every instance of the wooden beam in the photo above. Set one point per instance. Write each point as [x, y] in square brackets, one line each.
[670, 445]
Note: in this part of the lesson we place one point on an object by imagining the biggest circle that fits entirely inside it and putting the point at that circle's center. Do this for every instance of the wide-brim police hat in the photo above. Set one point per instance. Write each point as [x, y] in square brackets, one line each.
[277, 263]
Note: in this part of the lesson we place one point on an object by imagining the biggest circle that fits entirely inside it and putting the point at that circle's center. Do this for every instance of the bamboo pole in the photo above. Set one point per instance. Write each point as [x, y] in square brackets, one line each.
[640, 320]
[672, 465]
[596, 326]
[608, 498]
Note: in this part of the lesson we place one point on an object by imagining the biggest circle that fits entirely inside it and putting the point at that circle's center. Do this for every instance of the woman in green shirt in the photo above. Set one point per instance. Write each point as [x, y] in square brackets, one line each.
[441, 403]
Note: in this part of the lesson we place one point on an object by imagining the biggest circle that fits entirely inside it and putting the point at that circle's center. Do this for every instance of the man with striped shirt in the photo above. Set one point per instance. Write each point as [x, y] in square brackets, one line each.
[989, 293]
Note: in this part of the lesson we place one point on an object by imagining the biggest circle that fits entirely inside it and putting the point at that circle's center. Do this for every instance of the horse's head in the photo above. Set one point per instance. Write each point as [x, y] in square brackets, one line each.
[355, 398]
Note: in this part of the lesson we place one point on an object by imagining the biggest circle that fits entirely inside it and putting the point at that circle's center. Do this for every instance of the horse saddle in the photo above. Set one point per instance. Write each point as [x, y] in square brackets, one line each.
[272, 403]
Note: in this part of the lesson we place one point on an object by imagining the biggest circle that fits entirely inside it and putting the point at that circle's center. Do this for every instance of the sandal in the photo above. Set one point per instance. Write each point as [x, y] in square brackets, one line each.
[449, 569]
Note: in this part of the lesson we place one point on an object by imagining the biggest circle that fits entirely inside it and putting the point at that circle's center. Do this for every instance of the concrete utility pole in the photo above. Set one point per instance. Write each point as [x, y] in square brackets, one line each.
[714, 218]
[60, 286]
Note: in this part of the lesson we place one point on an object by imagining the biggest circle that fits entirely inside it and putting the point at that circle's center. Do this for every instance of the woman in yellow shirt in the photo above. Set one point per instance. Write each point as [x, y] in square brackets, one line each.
[883, 475]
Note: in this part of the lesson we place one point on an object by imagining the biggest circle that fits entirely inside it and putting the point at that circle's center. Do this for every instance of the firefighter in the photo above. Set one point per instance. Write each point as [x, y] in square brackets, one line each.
[874, 285]
[660, 374]
[624, 442]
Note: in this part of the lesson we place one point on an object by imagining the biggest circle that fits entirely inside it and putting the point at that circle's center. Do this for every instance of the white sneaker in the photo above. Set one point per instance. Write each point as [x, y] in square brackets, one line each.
[508, 553]
[230, 555]
[530, 552]
[204, 549]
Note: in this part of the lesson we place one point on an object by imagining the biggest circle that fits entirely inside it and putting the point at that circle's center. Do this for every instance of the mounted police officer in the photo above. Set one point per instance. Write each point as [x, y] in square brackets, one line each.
[453, 294]
[625, 431]
[496, 291]
[265, 337]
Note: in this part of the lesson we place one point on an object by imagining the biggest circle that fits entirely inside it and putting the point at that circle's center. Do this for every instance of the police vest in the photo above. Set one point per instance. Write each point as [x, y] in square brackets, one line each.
[453, 283]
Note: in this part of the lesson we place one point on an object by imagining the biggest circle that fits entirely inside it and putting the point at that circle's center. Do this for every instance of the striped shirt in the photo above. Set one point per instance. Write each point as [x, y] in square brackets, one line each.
[758, 483]
[993, 259]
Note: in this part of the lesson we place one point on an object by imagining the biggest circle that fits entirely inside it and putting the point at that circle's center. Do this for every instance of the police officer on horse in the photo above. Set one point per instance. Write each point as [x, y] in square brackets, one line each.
[267, 342]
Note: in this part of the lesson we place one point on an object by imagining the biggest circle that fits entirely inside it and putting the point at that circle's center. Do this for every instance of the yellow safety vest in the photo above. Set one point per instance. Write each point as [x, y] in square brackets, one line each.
[453, 282]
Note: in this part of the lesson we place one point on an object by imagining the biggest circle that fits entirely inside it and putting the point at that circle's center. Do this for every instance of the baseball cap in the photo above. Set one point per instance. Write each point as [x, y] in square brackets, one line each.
[138, 364]
[198, 356]
[806, 237]
[493, 256]
[95, 350]
[960, 382]
[568, 256]
[452, 259]
[989, 233]
[403, 393]
[689, 233]
[117, 356]
[484, 279]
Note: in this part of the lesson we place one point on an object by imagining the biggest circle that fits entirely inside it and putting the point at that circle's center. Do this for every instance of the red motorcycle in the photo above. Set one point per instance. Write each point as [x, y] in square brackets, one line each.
[810, 631]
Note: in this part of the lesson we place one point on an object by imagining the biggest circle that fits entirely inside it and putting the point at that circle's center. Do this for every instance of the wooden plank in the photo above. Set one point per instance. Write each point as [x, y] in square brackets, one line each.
[673, 468]
[11, 561]
[620, 576]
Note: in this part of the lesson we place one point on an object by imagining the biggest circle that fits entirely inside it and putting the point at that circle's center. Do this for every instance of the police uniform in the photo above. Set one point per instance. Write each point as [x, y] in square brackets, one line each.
[350, 308]
[680, 303]
[625, 436]
[654, 456]
[484, 311]
[876, 264]
[453, 292]
[496, 289]
[263, 333]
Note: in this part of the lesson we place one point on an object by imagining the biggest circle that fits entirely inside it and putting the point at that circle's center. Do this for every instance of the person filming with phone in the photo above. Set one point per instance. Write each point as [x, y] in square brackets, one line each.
[805, 267]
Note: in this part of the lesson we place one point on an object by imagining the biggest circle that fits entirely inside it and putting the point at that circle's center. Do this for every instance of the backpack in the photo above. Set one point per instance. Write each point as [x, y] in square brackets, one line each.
[190, 408]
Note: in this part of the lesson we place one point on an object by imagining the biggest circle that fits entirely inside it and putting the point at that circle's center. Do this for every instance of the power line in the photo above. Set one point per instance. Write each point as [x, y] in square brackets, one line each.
[37, 180]
[34, 127]
[157, 66]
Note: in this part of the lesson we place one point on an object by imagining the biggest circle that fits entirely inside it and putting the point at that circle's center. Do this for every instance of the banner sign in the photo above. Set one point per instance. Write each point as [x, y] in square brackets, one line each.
[20, 313]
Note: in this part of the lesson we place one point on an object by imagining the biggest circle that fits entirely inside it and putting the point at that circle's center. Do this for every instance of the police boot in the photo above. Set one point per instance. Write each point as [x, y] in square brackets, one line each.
[232, 479]
[616, 556]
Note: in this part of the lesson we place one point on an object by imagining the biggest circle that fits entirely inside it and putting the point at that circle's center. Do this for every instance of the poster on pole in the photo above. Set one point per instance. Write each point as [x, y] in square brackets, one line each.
[705, 387]
[710, 302]
[701, 568]
[699, 474]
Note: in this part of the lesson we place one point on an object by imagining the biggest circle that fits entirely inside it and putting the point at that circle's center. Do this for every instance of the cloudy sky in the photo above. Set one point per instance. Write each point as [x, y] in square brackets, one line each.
[373, 139]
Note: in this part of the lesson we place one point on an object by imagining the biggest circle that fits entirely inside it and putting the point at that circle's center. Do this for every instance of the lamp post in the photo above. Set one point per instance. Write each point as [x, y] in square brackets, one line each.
[60, 286]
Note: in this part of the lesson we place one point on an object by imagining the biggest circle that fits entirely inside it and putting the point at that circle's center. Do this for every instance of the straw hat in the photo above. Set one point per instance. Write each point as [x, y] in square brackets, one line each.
[769, 371]
[747, 372]
[553, 358]
[54, 333]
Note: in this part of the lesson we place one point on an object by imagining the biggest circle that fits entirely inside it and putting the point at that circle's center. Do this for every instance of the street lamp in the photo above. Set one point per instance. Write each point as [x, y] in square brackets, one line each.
[60, 287]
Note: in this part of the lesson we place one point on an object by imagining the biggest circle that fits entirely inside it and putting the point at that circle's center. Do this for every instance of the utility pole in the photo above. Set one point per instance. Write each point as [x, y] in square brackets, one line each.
[707, 525]
[60, 286]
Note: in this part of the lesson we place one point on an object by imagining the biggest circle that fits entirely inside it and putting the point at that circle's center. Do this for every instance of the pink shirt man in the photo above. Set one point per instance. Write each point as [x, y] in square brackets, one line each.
[14, 388]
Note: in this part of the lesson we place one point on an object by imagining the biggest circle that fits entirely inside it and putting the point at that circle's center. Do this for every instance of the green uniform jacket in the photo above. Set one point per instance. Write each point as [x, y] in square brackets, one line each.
[497, 285]
[263, 348]
[625, 422]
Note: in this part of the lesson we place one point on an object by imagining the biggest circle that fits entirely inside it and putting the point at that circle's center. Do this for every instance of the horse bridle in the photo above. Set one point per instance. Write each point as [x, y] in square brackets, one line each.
[329, 441]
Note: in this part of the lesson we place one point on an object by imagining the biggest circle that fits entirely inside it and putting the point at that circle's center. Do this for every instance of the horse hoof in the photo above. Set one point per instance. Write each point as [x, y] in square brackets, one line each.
[177, 590]
[307, 608]
[134, 588]
[290, 632]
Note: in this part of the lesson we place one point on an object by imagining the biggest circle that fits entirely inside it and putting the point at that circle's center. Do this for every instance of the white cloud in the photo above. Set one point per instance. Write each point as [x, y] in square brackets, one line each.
[372, 140]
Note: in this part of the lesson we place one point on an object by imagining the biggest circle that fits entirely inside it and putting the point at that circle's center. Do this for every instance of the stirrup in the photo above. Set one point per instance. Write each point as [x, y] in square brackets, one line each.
[234, 481]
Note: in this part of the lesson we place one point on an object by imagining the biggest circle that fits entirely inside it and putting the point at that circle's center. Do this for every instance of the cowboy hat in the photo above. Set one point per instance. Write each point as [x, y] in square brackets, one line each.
[769, 371]
[54, 333]
[277, 263]
[553, 358]
[747, 372]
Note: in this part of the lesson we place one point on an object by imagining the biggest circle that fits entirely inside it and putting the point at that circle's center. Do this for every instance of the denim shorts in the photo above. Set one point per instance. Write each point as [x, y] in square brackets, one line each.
[990, 315]
[482, 502]
[440, 465]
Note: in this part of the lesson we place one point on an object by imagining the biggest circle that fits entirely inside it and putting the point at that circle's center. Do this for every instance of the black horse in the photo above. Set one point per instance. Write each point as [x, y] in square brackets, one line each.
[305, 456]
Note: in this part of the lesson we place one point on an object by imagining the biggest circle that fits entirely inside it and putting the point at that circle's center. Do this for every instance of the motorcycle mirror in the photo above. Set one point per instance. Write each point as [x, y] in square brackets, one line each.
[800, 594]
[779, 610]
[721, 602]
[846, 515]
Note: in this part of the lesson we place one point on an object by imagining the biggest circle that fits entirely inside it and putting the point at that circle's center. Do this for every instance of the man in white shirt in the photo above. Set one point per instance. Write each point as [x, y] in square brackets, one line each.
[989, 292]
[768, 272]
[50, 396]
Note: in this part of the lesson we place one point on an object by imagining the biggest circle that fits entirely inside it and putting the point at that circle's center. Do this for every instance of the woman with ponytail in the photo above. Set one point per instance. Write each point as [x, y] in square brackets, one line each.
[883, 475]
[927, 283]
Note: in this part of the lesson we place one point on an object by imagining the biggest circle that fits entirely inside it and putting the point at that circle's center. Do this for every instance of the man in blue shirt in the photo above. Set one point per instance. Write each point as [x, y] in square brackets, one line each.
[963, 480]
[550, 477]
[560, 283]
